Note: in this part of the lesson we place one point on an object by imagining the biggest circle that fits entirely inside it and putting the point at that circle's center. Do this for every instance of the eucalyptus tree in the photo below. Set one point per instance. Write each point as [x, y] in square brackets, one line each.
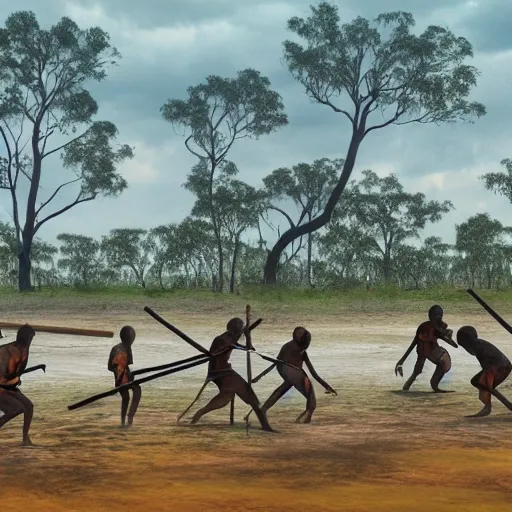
[43, 98]
[215, 115]
[375, 74]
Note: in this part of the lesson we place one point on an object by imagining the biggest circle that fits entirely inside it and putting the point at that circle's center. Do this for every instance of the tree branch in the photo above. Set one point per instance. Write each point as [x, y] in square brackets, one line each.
[12, 185]
[305, 211]
[328, 103]
[54, 194]
[294, 254]
[417, 120]
[398, 113]
[192, 151]
[288, 218]
[267, 223]
[44, 155]
[63, 210]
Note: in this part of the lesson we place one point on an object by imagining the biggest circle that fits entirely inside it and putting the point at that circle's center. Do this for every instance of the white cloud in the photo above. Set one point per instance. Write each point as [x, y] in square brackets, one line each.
[152, 164]
[435, 180]
[139, 171]
[148, 44]
[455, 179]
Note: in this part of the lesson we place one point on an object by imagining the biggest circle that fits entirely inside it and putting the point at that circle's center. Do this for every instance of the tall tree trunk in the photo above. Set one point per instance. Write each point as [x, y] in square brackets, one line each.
[25, 262]
[310, 254]
[220, 282]
[274, 255]
[386, 268]
[139, 276]
[233, 267]
[196, 276]
[24, 269]
[160, 275]
[216, 227]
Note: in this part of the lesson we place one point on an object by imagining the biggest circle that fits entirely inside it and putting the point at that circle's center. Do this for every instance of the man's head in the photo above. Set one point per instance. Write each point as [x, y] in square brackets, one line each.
[435, 314]
[127, 335]
[467, 337]
[25, 335]
[302, 337]
[235, 327]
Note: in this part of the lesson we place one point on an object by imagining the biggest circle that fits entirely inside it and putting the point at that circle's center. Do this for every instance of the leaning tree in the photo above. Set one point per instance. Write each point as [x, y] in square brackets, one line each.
[308, 186]
[43, 74]
[361, 69]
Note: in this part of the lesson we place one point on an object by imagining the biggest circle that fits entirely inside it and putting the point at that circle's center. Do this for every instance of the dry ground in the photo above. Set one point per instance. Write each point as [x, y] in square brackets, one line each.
[371, 448]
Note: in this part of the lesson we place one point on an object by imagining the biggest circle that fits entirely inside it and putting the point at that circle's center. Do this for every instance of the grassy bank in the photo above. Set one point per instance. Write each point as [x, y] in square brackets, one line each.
[121, 299]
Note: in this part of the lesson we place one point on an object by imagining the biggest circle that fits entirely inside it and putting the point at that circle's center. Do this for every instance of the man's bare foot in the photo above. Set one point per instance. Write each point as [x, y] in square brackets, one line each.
[27, 442]
[484, 412]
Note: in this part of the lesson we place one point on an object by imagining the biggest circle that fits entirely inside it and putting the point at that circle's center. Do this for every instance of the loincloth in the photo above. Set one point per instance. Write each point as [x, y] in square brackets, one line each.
[438, 355]
[124, 378]
[214, 375]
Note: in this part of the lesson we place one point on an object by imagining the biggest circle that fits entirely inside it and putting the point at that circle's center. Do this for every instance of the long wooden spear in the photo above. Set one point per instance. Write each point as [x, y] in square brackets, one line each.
[169, 365]
[489, 310]
[231, 407]
[249, 347]
[247, 334]
[59, 330]
[176, 331]
[33, 369]
[135, 382]
[263, 373]
[183, 336]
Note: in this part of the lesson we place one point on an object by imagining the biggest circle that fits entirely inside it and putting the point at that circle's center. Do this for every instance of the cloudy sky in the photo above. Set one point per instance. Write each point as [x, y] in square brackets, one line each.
[170, 45]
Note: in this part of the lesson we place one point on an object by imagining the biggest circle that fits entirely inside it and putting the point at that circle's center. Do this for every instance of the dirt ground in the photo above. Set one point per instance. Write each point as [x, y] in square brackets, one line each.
[371, 448]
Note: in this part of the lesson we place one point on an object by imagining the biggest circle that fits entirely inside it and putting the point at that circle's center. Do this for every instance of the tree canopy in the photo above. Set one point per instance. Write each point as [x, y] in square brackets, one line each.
[375, 74]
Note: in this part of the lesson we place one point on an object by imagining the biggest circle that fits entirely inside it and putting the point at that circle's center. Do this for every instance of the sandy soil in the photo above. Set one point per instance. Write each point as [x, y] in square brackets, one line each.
[371, 448]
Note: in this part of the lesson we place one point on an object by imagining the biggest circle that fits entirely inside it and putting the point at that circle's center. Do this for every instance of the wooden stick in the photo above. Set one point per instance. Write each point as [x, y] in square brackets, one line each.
[59, 330]
[169, 365]
[176, 331]
[135, 382]
[249, 347]
[195, 400]
[183, 336]
[255, 324]
[263, 373]
[501, 398]
[277, 361]
[232, 412]
[34, 368]
[489, 310]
